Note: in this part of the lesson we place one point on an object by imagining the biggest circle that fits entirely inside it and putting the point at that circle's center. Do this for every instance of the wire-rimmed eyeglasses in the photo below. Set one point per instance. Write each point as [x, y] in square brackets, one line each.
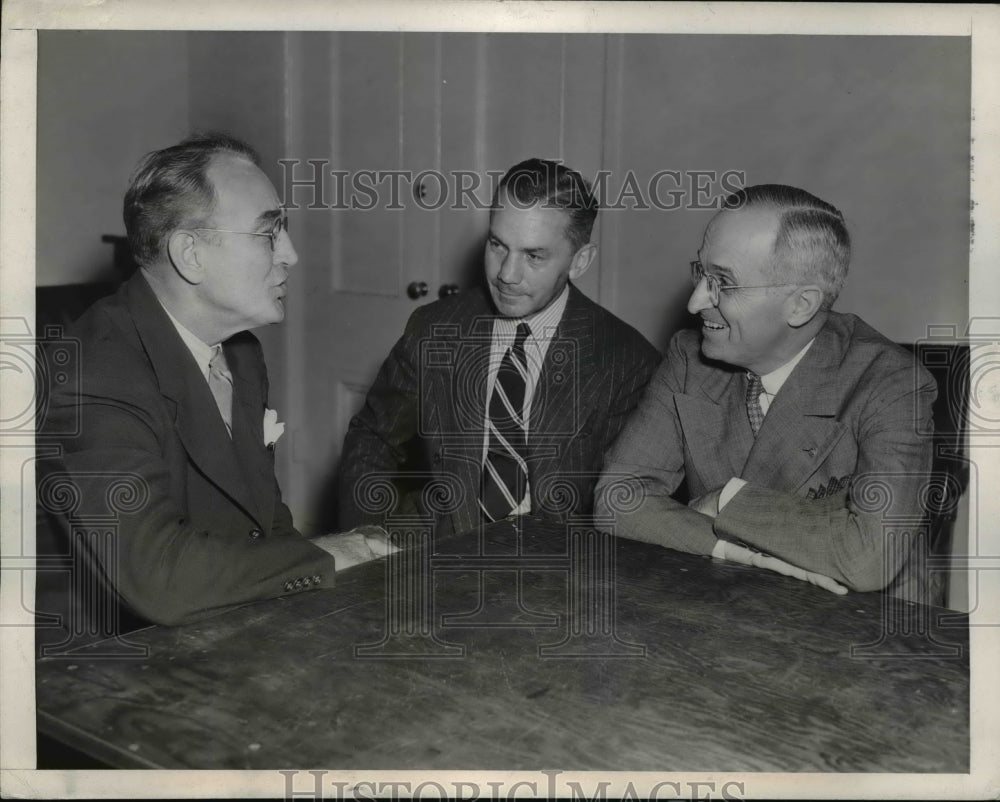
[280, 224]
[715, 285]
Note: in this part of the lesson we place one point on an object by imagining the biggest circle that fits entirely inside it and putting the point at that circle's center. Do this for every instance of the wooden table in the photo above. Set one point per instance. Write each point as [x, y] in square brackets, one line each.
[559, 649]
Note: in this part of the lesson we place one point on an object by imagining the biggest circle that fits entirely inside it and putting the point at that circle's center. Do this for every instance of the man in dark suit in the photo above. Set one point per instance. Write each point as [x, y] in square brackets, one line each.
[500, 401]
[796, 428]
[174, 439]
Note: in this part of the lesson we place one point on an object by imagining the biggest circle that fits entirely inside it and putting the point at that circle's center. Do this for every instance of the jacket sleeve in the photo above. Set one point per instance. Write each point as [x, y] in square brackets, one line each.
[854, 536]
[628, 382]
[114, 473]
[645, 466]
[375, 456]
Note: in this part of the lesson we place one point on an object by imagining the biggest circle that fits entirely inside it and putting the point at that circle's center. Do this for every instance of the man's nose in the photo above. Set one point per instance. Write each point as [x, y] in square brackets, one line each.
[510, 269]
[700, 298]
[284, 250]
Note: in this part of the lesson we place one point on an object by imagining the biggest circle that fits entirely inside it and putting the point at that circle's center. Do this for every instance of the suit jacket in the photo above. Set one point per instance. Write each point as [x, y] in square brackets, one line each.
[200, 524]
[421, 429]
[838, 463]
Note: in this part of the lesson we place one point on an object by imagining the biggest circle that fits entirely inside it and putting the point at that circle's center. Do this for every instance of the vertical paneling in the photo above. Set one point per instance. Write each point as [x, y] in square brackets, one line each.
[612, 254]
[369, 126]
[524, 90]
[419, 148]
[463, 137]
[582, 130]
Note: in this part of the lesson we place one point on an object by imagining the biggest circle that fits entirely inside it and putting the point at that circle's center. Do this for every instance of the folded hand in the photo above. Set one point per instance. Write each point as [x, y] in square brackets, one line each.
[726, 550]
[357, 546]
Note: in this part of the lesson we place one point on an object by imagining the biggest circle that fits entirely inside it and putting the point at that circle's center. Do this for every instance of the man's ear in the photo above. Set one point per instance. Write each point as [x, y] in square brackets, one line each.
[582, 261]
[182, 249]
[803, 305]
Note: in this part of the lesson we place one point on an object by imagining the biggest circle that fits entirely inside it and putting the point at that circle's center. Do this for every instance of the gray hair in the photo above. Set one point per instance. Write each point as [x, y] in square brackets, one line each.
[812, 244]
[170, 188]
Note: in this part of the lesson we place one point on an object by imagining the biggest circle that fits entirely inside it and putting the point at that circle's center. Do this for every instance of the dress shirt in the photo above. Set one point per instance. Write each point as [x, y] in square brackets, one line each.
[544, 325]
[201, 352]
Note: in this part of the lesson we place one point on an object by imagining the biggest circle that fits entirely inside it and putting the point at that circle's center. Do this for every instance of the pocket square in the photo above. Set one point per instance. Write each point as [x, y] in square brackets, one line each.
[272, 428]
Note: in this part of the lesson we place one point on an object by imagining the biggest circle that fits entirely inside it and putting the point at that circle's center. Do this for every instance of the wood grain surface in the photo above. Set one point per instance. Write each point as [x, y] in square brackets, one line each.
[552, 650]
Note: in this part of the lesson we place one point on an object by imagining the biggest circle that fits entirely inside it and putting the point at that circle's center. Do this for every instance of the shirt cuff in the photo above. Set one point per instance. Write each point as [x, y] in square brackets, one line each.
[733, 486]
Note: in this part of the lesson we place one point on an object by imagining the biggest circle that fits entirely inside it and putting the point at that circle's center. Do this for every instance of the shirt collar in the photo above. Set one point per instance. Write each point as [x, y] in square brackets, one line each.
[773, 381]
[543, 323]
[202, 352]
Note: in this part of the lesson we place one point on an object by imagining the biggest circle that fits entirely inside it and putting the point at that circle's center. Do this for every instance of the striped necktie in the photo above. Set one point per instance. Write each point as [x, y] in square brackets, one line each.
[505, 472]
[220, 382]
[754, 410]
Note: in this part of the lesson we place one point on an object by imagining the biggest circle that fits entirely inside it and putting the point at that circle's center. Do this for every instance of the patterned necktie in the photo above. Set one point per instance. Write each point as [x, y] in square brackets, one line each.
[754, 411]
[220, 382]
[505, 473]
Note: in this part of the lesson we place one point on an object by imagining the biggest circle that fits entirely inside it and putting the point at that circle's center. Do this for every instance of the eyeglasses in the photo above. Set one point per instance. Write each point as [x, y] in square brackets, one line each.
[715, 285]
[280, 224]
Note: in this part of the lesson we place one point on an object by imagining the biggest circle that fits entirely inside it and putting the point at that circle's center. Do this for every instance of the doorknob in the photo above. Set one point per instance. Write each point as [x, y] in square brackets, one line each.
[417, 289]
[447, 289]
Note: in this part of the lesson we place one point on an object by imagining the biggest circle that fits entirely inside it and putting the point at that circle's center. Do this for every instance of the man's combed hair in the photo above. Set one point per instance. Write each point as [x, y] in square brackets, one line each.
[169, 189]
[552, 185]
[812, 244]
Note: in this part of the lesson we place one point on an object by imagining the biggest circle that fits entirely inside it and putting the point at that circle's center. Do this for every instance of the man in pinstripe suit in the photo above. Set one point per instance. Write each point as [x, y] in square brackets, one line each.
[797, 429]
[501, 401]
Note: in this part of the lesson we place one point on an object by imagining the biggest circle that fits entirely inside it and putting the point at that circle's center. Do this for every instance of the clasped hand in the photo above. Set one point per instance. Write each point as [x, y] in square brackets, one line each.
[725, 550]
[359, 545]
[708, 504]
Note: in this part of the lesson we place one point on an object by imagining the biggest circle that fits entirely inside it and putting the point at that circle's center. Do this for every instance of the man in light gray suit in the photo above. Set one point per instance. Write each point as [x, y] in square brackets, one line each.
[796, 428]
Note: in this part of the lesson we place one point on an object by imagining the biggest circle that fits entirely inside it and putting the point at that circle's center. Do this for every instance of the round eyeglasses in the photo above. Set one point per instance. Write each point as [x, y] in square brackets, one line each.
[280, 224]
[715, 285]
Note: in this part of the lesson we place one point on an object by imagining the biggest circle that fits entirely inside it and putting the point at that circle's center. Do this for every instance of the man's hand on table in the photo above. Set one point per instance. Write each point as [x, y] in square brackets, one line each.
[725, 550]
[359, 545]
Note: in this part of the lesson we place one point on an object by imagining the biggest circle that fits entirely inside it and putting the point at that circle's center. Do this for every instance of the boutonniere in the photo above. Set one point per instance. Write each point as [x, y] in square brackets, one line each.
[272, 429]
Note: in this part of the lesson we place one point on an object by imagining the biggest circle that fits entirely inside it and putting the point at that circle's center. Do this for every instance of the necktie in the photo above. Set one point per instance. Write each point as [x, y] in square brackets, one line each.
[505, 473]
[754, 411]
[220, 382]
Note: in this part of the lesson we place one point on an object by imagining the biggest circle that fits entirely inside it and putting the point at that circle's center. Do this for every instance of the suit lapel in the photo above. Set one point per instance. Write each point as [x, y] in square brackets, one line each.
[716, 429]
[800, 429]
[197, 421]
[558, 405]
[248, 434]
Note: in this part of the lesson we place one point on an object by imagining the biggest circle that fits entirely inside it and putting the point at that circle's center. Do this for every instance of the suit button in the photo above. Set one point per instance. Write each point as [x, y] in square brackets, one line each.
[298, 583]
[288, 587]
[256, 534]
[317, 579]
[306, 582]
